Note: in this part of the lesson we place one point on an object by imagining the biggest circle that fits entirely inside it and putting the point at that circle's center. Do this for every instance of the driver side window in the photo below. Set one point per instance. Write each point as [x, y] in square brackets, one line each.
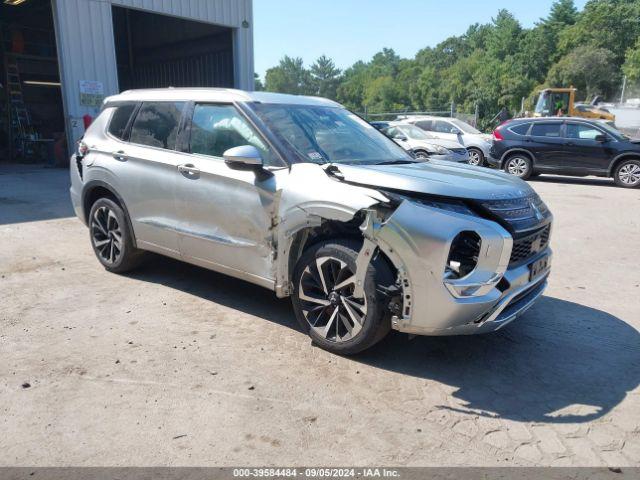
[217, 128]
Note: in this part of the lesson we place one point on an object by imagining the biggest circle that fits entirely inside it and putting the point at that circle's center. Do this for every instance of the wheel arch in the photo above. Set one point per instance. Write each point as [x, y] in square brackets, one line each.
[96, 189]
[619, 159]
[509, 153]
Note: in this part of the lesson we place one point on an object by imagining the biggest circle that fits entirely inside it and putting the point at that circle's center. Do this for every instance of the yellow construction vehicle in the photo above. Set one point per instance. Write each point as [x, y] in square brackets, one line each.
[560, 102]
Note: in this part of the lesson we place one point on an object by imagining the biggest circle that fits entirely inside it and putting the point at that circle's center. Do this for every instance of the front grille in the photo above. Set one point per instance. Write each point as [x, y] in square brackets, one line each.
[526, 247]
[522, 214]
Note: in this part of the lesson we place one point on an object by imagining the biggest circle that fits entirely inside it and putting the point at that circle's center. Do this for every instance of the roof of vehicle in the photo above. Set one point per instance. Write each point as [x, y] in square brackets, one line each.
[216, 95]
[407, 118]
[557, 119]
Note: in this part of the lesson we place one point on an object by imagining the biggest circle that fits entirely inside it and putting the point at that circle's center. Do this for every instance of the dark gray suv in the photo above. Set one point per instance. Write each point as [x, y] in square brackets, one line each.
[566, 146]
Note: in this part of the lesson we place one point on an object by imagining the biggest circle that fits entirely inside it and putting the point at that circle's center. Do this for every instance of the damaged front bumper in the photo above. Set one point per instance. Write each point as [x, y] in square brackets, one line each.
[418, 240]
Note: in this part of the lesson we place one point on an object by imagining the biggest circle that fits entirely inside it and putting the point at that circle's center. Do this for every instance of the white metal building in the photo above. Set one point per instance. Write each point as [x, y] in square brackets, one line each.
[76, 52]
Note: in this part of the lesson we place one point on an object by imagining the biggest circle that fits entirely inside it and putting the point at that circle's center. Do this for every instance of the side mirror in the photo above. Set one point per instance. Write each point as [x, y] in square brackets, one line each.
[399, 136]
[456, 131]
[601, 138]
[243, 157]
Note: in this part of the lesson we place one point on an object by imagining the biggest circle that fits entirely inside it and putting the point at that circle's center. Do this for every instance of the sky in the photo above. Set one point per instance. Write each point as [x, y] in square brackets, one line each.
[352, 30]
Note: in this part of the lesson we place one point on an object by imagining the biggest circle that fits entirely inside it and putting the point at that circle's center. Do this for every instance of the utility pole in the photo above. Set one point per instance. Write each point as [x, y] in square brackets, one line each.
[624, 87]
[452, 108]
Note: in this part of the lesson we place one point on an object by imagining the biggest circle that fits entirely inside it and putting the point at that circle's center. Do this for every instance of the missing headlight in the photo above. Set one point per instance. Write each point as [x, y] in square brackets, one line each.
[463, 256]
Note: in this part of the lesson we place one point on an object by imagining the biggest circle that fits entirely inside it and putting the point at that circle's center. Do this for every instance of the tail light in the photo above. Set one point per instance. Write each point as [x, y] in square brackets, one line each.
[497, 135]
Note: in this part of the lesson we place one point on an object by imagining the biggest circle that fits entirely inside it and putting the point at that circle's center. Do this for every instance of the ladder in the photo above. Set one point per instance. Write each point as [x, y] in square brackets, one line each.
[20, 120]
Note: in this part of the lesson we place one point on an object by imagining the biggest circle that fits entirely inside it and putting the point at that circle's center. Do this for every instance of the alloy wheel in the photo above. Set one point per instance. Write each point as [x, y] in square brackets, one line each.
[474, 158]
[517, 167]
[629, 174]
[326, 296]
[106, 235]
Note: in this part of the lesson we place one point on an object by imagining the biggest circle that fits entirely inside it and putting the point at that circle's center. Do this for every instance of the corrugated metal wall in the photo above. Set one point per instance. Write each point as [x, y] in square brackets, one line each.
[84, 32]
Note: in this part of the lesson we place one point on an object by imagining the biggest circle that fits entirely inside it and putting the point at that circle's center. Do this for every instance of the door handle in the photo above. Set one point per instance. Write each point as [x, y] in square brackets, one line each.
[189, 169]
[570, 144]
[120, 155]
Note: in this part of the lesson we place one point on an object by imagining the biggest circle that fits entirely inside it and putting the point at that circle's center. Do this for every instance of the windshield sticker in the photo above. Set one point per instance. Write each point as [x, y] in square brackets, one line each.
[315, 156]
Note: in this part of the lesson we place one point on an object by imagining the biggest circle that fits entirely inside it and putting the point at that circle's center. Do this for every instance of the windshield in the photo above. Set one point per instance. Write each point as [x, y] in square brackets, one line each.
[465, 127]
[319, 134]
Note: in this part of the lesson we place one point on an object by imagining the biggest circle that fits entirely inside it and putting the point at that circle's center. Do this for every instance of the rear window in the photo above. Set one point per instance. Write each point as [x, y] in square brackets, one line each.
[120, 119]
[156, 124]
[546, 130]
[521, 129]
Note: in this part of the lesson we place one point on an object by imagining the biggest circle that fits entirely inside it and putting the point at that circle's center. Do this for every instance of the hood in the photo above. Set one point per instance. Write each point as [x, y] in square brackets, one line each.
[439, 178]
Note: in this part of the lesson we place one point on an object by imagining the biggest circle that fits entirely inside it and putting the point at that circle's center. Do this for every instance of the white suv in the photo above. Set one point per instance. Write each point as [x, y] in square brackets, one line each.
[477, 143]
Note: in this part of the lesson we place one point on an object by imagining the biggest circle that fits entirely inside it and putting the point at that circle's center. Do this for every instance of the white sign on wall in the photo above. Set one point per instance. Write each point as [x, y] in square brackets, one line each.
[91, 93]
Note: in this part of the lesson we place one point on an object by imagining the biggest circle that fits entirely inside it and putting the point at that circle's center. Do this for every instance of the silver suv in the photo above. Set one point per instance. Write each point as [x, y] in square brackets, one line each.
[301, 196]
[477, 143]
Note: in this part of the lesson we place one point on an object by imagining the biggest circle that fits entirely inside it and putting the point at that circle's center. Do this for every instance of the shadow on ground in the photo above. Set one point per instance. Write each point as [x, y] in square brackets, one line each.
[560, 363]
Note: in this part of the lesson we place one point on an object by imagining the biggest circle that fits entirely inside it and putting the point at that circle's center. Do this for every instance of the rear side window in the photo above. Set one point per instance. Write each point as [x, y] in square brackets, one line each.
[521, 129]
[546, 130]
[425, 125]
[157, 124]
[120, 120]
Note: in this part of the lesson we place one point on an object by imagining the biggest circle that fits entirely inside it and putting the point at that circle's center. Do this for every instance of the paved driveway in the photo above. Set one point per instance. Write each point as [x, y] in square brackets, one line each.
[175, 365]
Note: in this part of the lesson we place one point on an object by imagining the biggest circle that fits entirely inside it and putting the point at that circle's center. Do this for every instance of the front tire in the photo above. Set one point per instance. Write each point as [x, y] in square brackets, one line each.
[519, 166]
[323, 298]
[627, 174]
[111, 238]
[476, 157]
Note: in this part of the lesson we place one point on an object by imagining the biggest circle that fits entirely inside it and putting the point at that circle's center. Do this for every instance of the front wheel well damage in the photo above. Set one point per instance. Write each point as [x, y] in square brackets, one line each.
[355, 231]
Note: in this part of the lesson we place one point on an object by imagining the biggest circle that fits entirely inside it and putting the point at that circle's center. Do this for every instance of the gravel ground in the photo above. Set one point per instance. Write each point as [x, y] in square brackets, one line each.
[175, 365]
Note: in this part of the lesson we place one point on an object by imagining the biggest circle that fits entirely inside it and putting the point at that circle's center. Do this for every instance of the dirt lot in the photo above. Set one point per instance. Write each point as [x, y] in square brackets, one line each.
[175, 365]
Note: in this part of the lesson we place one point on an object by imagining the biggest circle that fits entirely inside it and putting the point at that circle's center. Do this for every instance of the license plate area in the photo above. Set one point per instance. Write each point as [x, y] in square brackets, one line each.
[538, 268]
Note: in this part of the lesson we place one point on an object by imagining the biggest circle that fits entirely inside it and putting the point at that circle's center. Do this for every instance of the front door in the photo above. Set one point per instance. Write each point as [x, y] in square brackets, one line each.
[546, 143]
[227, 214]
[583, 153]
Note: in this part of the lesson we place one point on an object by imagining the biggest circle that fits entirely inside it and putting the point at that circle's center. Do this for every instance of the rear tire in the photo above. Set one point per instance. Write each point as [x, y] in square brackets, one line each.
[111, 238]
[334, 319]
[627, 174]
[519, 165]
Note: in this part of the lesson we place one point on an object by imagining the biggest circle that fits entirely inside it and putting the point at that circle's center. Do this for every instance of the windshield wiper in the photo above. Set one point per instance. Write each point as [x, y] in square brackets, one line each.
[398, 162]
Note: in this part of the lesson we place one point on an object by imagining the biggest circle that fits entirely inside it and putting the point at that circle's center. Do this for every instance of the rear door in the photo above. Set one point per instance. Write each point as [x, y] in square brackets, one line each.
[582, 152]
[546, 142]
[148, 182]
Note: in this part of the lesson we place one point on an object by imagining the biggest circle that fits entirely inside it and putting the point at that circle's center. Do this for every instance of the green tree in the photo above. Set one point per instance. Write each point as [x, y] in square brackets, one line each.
[325, 77]
[590, 69]
[610, 24]
[289, 76]
[257, 83]
[631, 67]
[563, 12]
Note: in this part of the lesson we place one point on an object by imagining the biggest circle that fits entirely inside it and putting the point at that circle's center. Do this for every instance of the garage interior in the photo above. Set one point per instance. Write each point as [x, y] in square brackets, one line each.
[31, 112]
[158, 51]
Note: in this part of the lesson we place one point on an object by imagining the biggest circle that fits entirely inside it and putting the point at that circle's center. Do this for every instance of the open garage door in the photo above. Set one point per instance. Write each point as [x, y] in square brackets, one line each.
[156, 51]
[31, 112]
